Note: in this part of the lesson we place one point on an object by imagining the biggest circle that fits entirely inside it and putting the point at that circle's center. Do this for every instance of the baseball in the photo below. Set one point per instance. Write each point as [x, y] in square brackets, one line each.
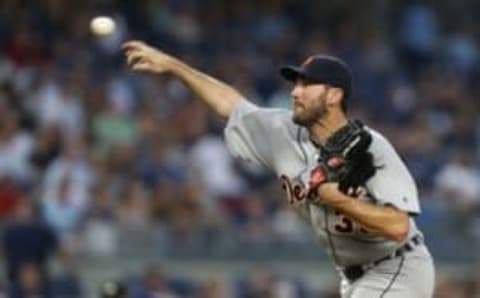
[102, 25]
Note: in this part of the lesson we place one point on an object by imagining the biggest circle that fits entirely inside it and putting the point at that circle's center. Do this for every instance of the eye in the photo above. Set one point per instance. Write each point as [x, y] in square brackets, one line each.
[302, 82]
[308, 82]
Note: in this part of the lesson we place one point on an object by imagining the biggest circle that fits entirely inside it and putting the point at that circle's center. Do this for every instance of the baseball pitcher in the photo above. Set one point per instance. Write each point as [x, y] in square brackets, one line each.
[344, 178]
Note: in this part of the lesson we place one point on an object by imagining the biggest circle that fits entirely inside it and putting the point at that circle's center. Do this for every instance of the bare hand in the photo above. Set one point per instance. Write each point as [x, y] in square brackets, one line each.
[142, 57]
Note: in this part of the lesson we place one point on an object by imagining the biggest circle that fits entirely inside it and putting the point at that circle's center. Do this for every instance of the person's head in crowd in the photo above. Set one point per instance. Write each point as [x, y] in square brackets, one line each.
[30, 280]
[113, 289]
[154, 279]
[26, 210]
[8, 121]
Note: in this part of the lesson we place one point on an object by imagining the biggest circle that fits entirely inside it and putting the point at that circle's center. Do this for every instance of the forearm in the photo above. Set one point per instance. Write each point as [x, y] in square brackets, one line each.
[220, 97]
[380, 220]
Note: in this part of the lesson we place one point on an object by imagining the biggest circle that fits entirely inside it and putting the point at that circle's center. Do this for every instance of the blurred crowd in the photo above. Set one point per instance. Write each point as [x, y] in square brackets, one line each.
[88, 148]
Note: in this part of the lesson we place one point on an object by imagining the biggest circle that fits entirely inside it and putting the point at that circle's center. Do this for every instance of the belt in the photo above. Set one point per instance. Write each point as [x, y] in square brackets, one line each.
[354, 272]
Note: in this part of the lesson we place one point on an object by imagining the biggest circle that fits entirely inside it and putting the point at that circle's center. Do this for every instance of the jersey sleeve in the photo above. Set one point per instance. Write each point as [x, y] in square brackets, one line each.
[249, 131]
[392, 184]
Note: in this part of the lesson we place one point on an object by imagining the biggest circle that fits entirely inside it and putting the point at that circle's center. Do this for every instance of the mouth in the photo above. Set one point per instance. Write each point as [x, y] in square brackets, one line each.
[297, 105]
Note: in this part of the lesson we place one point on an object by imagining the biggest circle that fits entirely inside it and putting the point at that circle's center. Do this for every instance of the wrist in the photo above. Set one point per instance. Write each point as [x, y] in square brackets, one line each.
[342, 202]
[328, 193]
[176, 65]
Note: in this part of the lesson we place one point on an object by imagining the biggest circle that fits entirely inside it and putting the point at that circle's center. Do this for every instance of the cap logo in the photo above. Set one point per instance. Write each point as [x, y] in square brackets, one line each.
[308, 60]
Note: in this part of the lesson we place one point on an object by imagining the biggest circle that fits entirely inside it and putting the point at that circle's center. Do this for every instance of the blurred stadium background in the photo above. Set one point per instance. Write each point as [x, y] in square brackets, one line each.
[110, 175]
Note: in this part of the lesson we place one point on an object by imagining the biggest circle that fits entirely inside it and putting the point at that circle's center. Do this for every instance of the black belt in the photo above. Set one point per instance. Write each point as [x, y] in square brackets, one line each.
[354, 272]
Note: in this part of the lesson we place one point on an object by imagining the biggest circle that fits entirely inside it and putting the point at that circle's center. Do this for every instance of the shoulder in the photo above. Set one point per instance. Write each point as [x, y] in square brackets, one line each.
[247, 107]
[250, 113]
[380, 144]
[384, 153]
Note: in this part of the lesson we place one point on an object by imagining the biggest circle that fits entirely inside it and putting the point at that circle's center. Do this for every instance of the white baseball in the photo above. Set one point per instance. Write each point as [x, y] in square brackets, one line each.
[102, 25]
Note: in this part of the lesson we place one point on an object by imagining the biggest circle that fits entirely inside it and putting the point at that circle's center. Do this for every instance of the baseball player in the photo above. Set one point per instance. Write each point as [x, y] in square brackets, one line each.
[367, 226]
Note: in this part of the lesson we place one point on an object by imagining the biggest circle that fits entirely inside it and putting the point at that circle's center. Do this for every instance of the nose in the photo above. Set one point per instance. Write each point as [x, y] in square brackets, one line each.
[296, 91]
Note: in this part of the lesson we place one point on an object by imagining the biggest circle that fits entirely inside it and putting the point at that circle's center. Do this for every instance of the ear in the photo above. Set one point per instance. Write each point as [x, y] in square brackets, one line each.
[334, 96]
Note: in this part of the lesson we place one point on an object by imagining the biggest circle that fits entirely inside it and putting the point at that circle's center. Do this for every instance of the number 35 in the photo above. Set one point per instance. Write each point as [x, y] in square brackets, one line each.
[345, 225]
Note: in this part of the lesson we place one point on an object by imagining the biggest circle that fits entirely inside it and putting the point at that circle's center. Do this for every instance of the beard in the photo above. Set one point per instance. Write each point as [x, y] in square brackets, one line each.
[306, 117]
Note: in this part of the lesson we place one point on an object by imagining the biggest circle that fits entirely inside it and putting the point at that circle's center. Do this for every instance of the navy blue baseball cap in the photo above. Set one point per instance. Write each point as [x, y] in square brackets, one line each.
[322, 69]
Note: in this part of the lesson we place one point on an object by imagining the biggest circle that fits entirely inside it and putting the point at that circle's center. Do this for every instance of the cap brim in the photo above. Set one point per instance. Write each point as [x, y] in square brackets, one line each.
[292, 73]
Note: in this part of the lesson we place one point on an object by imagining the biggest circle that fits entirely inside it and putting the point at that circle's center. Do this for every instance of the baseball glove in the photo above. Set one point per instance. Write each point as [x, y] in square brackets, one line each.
[344, 158]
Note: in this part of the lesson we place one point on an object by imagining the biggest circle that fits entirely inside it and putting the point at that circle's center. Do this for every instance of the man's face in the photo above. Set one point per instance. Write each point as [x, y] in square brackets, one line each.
[309, 102]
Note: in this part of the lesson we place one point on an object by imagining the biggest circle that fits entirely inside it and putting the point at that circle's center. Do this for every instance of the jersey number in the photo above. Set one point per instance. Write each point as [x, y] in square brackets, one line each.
[296, 194]
[345, 225]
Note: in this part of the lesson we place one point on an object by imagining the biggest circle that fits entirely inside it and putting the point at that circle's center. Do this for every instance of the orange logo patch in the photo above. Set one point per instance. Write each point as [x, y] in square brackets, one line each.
[308, 60]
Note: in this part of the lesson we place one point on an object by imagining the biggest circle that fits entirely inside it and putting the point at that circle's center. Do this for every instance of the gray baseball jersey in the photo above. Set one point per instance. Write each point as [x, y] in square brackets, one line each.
[270, 137]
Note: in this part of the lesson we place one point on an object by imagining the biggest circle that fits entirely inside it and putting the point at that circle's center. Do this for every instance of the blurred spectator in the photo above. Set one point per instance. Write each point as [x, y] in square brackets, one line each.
[458, 182]
[16, 146]
[60, 211]
[100, 235]
[66, 280]
[25, 47]
[462, 52]
[213, 165]
[262, 282]
[288, 227]
[133, 209]
[259, 284]
[418, 36]
[28, 245]
[31, 283]
[103, 205]
[72, 164]
[114, 126]
[164, 200]
[114, 289]
[256, 225]
[211, 288]
[154, 283]
[47, 148]
[100, 238]
[163, 162]
[446, 288]
[59, 106]
[10, 197]
[186, 218]
[285, 288]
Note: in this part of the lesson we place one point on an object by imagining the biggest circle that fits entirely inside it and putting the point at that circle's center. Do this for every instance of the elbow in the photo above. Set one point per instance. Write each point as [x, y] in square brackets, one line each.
[399, 231]
[224, 108]
[230, 99]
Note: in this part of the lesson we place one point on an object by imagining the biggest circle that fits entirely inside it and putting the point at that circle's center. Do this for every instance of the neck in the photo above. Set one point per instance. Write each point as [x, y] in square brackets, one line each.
[324, 127]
